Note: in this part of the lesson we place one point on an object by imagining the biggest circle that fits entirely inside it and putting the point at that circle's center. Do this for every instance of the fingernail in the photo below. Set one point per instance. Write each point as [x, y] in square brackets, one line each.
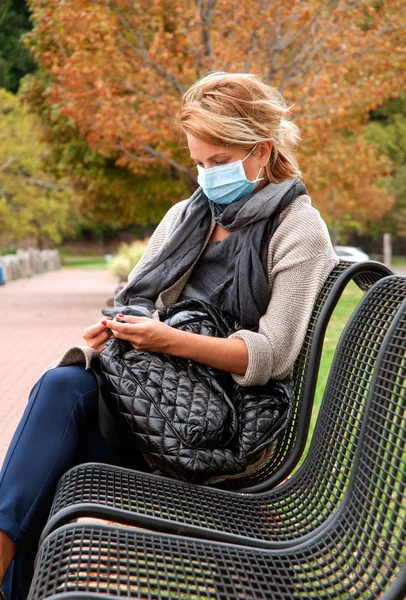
[120, 315]
[104, 323]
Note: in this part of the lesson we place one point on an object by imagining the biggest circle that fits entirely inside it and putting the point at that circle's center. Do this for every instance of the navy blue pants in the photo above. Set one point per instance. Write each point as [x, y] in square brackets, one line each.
[57, 431]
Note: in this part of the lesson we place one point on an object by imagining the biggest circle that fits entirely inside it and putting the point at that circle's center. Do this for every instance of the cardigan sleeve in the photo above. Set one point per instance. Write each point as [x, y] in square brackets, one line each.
[300, 259]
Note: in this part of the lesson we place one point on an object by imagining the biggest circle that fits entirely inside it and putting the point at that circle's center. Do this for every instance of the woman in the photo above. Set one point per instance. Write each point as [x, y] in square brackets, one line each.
[248, 241]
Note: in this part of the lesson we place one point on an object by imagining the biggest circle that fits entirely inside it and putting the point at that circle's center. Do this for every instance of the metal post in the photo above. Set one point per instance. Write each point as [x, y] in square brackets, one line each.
[387, 249]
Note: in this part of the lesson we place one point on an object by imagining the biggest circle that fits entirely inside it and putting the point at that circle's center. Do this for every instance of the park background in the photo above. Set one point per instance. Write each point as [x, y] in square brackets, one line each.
[91, 156]
[90, 152]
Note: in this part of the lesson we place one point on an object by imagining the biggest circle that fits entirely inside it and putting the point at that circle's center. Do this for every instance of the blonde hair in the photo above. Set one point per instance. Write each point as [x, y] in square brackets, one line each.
[240, 110]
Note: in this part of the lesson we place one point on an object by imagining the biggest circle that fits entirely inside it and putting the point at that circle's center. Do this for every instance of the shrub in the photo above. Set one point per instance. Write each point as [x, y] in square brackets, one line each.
[126, 258]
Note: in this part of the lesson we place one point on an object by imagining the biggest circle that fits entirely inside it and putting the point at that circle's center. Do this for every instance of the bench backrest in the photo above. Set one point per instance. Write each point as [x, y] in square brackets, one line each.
[367, 534]
[292, 442]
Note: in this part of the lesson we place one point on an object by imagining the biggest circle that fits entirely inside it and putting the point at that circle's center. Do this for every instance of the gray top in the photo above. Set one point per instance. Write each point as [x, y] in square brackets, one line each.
[212, 273]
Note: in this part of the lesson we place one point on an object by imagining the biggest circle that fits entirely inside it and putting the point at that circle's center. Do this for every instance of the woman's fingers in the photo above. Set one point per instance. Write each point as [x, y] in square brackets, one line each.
[132, 319]
[117, 326]
[125, 331]
[96, 329]
[143, 333]
[97, 335]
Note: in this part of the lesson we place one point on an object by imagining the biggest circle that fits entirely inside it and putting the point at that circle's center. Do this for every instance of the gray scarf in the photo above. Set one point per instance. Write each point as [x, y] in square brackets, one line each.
[253, 219]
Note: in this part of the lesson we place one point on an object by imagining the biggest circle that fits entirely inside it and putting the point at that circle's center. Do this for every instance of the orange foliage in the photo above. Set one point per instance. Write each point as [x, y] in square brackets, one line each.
[118, 68]
[344, 185]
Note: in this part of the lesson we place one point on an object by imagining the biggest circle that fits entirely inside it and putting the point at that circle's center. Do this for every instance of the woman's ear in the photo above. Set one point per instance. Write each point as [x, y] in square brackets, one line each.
[265, 149]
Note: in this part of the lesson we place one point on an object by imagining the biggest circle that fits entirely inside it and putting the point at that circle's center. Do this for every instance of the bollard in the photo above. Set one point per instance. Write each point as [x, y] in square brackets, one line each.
[25, 263]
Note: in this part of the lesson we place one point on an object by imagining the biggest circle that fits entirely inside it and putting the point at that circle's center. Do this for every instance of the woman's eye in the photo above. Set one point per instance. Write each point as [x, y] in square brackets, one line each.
[214, 163]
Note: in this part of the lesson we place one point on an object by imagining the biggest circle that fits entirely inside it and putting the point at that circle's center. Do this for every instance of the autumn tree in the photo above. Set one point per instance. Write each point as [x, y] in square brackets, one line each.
[32, 205]
[114, 71]
[350, 186]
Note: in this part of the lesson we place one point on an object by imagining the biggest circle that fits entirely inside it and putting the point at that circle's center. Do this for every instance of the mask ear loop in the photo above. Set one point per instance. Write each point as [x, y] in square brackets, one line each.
[260, 168]
[249, 154]
[258, 177]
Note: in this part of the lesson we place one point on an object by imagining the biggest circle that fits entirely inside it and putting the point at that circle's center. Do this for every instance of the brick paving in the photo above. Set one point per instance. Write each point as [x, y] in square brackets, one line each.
[41, 317]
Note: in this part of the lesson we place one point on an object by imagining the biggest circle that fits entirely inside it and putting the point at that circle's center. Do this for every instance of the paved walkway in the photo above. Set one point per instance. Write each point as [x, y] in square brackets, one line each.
[40, 318]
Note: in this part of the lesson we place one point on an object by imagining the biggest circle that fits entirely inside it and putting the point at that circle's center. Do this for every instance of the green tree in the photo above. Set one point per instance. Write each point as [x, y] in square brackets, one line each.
[32, 204]
[15, 60]
[388, 130]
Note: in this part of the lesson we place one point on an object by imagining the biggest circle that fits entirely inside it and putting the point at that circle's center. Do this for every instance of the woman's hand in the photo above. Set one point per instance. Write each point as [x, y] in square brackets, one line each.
[96, 336]
[143, 333]
[147, 334]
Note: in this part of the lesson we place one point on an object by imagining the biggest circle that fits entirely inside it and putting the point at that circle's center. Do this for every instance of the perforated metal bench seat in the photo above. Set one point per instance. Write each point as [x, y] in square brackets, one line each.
[102, 561]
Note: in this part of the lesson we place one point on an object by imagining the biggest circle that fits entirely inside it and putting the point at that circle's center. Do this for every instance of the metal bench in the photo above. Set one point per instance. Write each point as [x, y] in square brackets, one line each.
[357, 550]
[257, 519]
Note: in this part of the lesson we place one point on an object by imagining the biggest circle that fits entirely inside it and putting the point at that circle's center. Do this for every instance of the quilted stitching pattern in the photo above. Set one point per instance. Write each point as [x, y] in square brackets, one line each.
[188, 420]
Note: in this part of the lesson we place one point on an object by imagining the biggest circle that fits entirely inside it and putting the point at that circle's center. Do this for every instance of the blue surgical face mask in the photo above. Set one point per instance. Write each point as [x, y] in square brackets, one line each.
[228, 183]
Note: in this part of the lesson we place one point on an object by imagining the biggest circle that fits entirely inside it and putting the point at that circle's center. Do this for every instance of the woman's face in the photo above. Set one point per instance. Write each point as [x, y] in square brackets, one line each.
[210, 155]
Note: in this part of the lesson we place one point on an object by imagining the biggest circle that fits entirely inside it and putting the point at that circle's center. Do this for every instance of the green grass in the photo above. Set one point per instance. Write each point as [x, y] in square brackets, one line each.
[349, 300]
[83, 262]
[398, 261]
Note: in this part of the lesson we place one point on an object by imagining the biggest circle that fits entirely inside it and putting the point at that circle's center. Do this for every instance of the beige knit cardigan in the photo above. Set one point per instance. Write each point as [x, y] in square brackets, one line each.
[300, 258]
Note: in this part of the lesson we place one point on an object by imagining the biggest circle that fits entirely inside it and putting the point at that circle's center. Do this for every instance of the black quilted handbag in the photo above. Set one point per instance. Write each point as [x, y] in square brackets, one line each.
[188, 420]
